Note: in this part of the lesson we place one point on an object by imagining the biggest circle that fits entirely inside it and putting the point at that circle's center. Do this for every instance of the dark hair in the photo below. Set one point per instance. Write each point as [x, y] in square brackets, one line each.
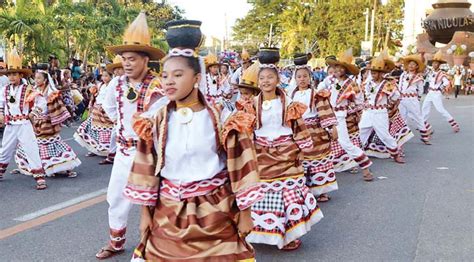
[45, 75]
[192, 62]
[270, 68]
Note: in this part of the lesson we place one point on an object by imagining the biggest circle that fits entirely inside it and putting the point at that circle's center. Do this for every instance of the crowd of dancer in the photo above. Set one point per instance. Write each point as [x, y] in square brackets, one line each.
[219, 159]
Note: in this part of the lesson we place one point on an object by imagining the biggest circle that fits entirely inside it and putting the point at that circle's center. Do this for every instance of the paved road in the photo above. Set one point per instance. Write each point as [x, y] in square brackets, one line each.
[421, 211]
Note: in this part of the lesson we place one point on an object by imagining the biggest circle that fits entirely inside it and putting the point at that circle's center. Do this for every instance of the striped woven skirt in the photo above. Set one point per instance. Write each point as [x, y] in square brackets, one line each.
[95, 133]
[288, 209]
[56, 156]
[317, 164]
[397, 128]
[195, 222]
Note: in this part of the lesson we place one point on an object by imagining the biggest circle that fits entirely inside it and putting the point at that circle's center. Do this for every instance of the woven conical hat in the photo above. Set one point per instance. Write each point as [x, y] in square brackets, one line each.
[245, 55]
[137, 38]
[439, 57]
[344, 59]
[210, 60]
[250, 77]
[15, 64]
[116, 63]
[415, 58]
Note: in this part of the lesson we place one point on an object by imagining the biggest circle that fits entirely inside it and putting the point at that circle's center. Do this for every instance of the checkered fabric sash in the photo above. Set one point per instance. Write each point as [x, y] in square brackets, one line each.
[121, 139]
[8, 117]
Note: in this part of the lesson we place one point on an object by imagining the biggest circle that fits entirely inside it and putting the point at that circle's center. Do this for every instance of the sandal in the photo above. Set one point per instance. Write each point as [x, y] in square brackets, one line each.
[90, 154]
[399, 159]
[106, 162]
[427, 142]
[368, 177]
[293, 245]
[41, 184]
[71, 174]
[108, 252]
[354, 170]
[15, 171]
[323, 198]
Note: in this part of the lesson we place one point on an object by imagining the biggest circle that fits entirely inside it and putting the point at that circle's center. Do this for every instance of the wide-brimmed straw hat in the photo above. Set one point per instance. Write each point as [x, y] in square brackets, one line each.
[116, 63]
[210, 60]
[415, 58]
[344, 59]
[438, 57]
[250, 77]
[382, 63]
[14, 64]
[137, 38]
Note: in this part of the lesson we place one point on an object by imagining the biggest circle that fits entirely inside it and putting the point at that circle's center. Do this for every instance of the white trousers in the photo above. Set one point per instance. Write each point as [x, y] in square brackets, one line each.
[113, 141]
[376, 120]
[119, 206]
[435, 98]
[410, 108]
[344, 140]
[24, 135]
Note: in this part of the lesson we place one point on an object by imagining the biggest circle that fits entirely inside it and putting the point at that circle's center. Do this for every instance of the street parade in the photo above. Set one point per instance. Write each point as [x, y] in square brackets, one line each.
[178, 149]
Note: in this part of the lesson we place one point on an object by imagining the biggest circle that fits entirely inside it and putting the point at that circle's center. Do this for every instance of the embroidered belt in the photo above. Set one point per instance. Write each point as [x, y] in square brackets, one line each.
[198, 188]
[355, 109]
[9, 118]
[375, 107]
[288, 183]
[281, 140]
[409, 95]
[312, 121]
[433, 89]
[341, 108]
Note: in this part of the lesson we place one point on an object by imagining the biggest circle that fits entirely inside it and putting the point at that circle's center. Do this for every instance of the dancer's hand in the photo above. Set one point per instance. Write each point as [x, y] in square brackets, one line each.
[2, 120]
[245, 225]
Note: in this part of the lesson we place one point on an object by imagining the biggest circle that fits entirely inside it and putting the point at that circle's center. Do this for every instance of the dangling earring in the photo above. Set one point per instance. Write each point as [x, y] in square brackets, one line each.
[196, 85]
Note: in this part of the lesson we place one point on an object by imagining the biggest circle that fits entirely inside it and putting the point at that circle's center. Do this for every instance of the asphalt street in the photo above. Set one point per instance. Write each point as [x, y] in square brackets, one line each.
[420, 211]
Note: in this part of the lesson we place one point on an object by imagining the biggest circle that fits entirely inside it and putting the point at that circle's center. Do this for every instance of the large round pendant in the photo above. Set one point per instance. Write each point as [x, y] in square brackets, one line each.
[185, 115]
[266, 105]
[12, 100]
[132, 95]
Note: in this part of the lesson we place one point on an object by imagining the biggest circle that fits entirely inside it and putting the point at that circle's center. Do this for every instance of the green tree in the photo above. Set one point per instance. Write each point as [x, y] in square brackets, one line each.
[253, 30]
[323, 27]
[84, 29]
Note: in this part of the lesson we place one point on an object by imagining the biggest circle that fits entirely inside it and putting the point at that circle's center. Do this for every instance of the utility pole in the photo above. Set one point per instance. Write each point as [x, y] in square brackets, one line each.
[226, 37]
[270, 37]
[366, 24]
[387, 36]
[372, 25]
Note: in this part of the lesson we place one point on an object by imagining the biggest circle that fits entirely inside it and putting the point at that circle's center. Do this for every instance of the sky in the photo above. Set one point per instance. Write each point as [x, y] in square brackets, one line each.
[212, 13]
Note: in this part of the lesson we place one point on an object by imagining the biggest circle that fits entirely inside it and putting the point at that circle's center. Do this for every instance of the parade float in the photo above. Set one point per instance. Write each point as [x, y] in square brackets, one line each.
[451, 23]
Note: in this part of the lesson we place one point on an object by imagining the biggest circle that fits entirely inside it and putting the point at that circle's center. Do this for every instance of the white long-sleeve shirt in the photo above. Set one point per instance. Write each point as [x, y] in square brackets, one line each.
[411, 84]
[438, 80]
